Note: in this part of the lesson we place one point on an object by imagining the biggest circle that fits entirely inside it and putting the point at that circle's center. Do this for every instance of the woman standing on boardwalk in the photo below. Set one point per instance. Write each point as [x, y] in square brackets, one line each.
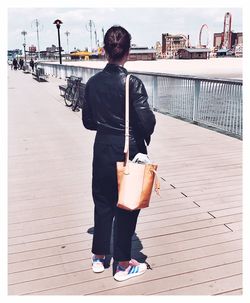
[104, 112]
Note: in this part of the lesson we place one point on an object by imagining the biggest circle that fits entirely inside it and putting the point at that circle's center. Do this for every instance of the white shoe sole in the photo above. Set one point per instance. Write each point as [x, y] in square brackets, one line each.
[97, 269]
[126, 277]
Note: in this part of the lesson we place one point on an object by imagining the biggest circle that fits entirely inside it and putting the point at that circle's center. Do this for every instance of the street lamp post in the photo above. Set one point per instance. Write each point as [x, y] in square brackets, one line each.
[24, 45]
[103, 35]
[58, 23]
[89, 28]
[36, 23]
[67, 34]
[24, 33]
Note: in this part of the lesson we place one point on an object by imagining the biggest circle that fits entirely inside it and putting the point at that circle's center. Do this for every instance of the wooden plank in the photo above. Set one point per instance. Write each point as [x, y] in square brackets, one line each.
[217, 200]
[34, 228]
[86, 217]
[213, 287]
[176, 158]
[197, 192]
[214, 195]
[214, 186]
[185, 183]
[76, 230]
[226, 212]
[63, 256]
[159, 271]
[146, 232]
[169, 171]
[200, 239]
[149, 283]
[194, 175]
[235, 226]
[187, 226]
[179, 210]
[236, 292]
[186, 240]
[40, 212]
[146, 222]
[75, 245]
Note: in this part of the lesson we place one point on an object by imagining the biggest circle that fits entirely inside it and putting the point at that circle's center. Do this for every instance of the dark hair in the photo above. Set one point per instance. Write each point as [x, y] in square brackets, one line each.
[117, 42]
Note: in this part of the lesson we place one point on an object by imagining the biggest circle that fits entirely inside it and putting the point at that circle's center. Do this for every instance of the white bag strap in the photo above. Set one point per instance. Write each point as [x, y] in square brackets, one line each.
[126, 146]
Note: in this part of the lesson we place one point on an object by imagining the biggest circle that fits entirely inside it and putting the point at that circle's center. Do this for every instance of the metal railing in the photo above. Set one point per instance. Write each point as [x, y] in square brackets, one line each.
[216, 103]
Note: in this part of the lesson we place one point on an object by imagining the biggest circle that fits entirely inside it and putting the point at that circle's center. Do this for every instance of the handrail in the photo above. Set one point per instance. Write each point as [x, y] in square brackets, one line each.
[224, 80]
[215, 103]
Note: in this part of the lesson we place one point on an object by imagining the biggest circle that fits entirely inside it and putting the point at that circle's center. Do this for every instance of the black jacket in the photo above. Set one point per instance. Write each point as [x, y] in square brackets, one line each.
[104, 105]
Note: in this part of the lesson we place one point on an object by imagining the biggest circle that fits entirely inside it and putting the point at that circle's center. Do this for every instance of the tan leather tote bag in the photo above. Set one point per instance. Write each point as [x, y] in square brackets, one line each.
[135, 181]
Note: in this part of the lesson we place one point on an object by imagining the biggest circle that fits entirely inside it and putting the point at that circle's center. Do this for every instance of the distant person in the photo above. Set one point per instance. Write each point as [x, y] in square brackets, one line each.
[15, 63]
[104, 112]
[11, 64]
[21, 63]
[32, 64]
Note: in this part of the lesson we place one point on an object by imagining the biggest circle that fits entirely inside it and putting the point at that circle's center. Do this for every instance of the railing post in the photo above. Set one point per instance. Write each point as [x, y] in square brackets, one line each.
[196, 98]
[155, 92]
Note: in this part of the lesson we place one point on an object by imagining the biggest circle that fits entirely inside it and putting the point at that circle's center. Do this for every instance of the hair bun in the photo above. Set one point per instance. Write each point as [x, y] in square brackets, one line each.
[117, 42]
[116, 51]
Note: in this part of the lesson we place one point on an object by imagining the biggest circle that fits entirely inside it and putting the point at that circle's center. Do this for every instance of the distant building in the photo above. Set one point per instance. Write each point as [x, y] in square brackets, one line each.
[234, 39]
[32, 49]
[158, 49]
[14, 53]
[193, 53]
[239, 50]
[51, 52]
[172, 43]
[141, 53]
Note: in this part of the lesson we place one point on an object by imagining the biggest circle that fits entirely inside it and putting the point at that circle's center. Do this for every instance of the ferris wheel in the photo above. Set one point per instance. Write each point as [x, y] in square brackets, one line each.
[204, 36]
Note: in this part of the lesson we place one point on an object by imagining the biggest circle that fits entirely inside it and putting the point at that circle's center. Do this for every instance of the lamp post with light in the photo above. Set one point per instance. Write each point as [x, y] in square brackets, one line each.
[58, 23]
[67, 34]
[24, 33]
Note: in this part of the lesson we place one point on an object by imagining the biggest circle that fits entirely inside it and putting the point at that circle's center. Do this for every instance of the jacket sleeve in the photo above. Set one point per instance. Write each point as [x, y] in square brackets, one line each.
[145, 116]
[87, 115]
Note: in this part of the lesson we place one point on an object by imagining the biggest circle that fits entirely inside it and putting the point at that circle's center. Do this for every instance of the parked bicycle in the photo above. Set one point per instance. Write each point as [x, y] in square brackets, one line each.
[72, 92]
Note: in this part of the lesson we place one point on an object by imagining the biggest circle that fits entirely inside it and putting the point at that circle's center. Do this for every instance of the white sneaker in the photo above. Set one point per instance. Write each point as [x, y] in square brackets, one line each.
[97, 264]
[134, 269]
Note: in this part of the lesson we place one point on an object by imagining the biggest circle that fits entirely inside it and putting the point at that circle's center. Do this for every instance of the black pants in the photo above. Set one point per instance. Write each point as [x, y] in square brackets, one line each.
[108, 149]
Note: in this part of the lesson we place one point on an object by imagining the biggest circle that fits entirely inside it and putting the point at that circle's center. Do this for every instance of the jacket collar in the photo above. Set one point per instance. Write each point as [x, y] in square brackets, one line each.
[115, 68]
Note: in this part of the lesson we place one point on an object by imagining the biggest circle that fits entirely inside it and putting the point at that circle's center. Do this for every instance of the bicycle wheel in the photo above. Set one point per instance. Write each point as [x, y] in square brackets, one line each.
[75, 100]
[68, 97]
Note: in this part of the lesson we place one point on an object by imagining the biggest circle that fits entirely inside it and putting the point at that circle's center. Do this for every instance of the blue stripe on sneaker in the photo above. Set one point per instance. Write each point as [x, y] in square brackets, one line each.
[131, 270]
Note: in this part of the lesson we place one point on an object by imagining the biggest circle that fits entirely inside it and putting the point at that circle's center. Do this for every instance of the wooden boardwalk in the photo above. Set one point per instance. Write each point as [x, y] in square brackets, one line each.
[190, 236]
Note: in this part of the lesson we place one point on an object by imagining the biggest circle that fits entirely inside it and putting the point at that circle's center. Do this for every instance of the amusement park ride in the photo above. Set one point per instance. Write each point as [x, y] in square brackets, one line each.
[204, 28]
[226, 37]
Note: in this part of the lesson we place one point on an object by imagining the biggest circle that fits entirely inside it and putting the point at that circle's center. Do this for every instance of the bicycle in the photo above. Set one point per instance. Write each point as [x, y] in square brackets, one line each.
[71, 96]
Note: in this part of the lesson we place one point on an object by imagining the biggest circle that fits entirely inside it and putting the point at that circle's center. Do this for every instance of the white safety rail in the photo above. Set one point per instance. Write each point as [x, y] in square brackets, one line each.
[216, 103]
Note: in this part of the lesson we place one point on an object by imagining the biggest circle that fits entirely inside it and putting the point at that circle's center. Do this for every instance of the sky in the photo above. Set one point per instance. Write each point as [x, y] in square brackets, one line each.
[146, 25]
